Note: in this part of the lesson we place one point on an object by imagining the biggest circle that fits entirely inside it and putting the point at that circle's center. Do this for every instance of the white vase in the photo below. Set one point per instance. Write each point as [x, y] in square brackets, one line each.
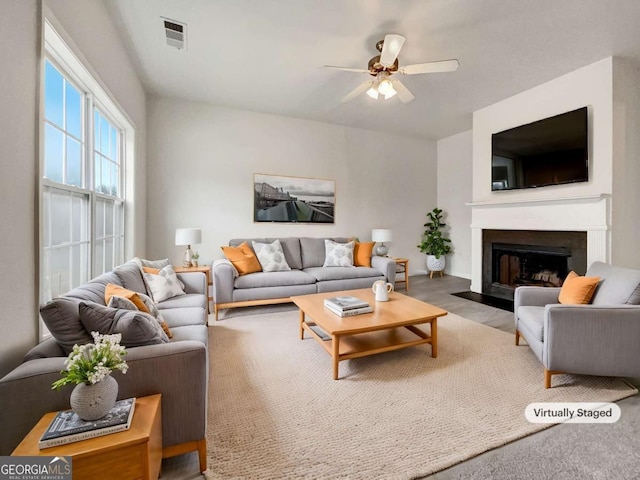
[91, 402]
[436, 264]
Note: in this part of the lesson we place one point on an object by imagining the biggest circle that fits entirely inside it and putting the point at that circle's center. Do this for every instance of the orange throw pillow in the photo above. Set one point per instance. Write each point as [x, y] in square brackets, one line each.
[577, 290]
[116, 290]
[362, 254]
[152, 271]
[243, 258]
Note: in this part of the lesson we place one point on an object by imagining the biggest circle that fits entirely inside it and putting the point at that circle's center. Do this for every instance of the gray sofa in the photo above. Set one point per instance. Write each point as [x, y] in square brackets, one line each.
[601, 338]
[178, 370]
[305, 256]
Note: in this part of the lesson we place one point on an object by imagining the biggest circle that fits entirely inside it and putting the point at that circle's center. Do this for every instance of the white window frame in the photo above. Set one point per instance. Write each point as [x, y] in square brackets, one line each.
[62, 56]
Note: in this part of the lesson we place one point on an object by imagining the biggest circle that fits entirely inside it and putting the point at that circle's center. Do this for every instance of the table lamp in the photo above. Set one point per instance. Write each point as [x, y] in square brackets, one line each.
[381, 235]
[188, 237]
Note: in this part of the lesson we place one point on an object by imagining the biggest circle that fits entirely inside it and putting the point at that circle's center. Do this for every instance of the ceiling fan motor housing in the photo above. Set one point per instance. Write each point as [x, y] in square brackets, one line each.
[375, 66]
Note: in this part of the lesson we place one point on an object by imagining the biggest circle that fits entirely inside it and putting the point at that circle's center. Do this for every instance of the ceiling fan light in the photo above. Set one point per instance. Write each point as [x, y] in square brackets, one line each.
[385, 87]
[390, 94]
[373, 93]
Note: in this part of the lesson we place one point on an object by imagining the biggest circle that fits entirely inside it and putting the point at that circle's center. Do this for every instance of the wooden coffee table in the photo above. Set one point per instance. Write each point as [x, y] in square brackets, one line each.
[391, 325]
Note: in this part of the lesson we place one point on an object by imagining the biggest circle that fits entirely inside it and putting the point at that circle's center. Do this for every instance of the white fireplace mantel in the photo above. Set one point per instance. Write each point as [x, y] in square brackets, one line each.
[587, 213]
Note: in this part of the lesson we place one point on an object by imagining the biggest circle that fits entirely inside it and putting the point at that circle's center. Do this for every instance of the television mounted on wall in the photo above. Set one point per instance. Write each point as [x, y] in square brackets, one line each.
[552, 151]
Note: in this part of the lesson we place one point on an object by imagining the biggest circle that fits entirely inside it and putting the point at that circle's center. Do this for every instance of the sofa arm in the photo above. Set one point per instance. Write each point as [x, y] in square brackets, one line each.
[592, 339]
[386, 266]
[176, 370]
[223, 278]
[194, 282]
[534, 297]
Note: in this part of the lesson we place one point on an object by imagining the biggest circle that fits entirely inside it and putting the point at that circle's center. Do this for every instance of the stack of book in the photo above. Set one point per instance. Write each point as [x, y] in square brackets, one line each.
[68, 427]
[346, 306]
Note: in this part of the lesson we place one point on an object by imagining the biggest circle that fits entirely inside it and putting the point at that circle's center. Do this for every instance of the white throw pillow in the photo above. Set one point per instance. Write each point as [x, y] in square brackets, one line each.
[338, 254]
[164, 285]
[271, 256]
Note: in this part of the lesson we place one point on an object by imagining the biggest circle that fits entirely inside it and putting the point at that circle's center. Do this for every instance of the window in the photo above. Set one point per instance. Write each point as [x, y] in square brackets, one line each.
[82, 202]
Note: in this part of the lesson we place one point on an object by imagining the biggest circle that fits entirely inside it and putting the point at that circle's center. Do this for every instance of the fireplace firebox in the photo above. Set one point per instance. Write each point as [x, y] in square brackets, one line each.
[513, 258]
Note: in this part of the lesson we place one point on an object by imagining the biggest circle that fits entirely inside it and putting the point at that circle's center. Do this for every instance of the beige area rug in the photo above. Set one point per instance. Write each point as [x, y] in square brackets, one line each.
[275, 411]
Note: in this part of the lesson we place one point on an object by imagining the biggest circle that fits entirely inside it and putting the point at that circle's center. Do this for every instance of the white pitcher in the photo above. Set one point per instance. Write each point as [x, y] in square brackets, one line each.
[382, 290]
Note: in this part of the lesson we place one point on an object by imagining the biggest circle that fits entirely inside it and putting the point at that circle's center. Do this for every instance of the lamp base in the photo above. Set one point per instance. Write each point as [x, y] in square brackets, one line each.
[187, 257]
[382, 250]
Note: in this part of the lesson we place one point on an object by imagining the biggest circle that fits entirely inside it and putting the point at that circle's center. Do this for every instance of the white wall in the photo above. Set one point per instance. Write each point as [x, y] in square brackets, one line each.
[455, 183]
[92, 35]
[626, 163]
[201, 164]
[18, 161]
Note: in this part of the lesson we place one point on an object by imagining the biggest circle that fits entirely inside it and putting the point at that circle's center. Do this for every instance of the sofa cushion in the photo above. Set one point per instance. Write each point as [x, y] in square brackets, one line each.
[338, 254]
[187, 300]
[362, 252]
[93, 291]
[533, 319]
[312, 251]
[137, 328]
[164, 285]
[62, 318]
[322, 274]
[617, 284]
[274, 279]
[179, 317]
[577, 290]
[131, 277]
[243, 258]
[191, 332]
[271, 256]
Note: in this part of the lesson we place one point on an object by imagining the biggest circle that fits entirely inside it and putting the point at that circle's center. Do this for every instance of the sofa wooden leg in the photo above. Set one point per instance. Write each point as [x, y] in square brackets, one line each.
[517, 337]
[202, 454]
[215, 311]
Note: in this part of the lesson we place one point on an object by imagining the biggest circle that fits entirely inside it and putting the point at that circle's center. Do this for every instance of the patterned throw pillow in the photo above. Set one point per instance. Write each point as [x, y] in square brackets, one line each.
[338, 254]
[164, 285]
[271, 256]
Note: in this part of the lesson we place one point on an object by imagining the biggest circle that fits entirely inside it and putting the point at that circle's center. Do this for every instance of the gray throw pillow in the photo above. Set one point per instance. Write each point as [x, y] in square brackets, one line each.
[137, 328]
[271, 256]
[338, 254]
[62, 318]
[122, 303]
[634, 299]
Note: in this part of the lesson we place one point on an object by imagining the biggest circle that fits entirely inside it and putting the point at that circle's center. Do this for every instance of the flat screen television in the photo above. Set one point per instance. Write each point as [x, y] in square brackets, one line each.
[552, 151]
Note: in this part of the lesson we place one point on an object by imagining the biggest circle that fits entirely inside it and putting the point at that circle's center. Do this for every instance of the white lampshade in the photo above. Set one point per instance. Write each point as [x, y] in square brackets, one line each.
[381, 235]
[188, 236]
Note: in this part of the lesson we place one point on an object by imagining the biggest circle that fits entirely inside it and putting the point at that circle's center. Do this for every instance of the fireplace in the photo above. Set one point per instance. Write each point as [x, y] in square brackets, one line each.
[513, 258]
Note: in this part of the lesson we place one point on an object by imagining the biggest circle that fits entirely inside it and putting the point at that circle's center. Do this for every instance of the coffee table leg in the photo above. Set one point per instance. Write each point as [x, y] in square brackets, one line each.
[434, 337]
[335, 356]
[301, 323]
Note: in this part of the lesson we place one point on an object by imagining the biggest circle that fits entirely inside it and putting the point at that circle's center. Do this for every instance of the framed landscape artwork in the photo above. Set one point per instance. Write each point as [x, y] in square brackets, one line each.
[283, 199]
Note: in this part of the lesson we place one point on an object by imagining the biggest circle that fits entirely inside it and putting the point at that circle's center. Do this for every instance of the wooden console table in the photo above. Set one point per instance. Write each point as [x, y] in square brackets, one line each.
[402, 266]
[131, 454]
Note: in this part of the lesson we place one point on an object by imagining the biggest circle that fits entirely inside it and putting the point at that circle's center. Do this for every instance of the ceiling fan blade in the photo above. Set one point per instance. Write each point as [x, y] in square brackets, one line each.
[363, 87]
[347, 69]
[403, 92]
[431, 67]
[391, 48]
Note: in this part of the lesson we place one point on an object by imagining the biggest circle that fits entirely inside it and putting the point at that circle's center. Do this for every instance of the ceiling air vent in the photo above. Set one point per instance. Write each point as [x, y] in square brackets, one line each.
[176, 33]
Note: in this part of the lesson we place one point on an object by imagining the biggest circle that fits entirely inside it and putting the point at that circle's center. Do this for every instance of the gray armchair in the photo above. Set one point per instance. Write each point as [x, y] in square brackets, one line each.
[602, 338]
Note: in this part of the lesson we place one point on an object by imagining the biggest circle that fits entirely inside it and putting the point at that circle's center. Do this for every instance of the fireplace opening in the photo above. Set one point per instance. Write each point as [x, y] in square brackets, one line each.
[518, 265]
[514, 258]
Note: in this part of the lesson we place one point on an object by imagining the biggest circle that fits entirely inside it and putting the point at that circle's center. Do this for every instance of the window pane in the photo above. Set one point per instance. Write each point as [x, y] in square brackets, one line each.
[99, 220]
[108, 255]
[53, 95]
[114, 145]
[96, 130]
[45, 280]
[73, 110]
[46, 205]
[60, 271]
[98, 258]
[53, 151]
[104, 137]
[74, 162]
[108, 219]
[60, 218]
[115, 181]
[105, 177]
[78, 228]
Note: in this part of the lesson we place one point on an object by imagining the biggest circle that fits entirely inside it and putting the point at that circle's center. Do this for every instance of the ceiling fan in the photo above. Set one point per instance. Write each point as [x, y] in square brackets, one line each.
[382, 67]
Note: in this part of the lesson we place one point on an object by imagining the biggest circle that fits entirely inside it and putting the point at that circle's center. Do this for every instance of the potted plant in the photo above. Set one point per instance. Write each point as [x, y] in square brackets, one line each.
[194, 259]
[433, 243]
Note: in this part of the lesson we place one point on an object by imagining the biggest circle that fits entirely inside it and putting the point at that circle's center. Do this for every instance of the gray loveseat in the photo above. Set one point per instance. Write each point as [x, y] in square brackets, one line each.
[601, 338]
[177, 370]
[305, 256]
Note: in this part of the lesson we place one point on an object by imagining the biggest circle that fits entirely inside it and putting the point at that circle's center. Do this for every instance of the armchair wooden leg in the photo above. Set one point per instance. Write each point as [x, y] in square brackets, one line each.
[202, 454]
[547, 378]
[215, 311]
[517, 337]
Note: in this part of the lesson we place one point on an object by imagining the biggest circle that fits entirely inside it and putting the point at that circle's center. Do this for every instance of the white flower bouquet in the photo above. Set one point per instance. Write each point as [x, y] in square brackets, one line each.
[92, 362]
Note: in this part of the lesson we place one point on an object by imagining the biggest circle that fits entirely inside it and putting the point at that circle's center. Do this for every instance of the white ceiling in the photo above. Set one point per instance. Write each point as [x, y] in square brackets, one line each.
[267, 55]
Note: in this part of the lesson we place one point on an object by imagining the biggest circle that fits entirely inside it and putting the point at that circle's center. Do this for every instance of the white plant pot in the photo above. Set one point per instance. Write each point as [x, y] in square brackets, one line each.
[436, 264]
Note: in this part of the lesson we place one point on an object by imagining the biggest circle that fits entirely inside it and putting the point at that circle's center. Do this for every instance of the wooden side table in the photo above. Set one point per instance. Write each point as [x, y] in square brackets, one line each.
[132, 454]
[206, 269]
[402, 266]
